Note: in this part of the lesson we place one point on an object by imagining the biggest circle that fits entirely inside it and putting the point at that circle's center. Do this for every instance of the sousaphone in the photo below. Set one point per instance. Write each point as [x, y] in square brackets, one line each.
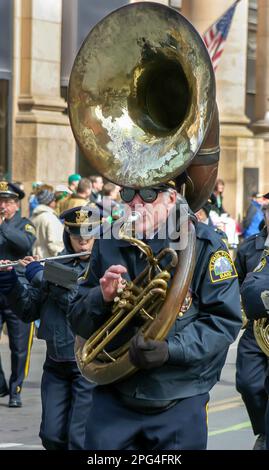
[143, 111]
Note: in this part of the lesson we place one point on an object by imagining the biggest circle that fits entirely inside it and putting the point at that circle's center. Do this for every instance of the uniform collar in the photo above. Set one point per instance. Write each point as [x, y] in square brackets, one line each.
[204, 232]
[260, 239]
[13, 219]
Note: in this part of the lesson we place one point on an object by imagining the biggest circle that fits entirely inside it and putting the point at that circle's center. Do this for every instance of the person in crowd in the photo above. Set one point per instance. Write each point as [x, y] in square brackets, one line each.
[153, 407]
[203, 213]
[49, 230]
[73, 181]
[217, 197]
[251, 362]
[254, 216]
[220, 218]
[17, 236]
[80, 198]
[61, 193]
[97, 187]
[66, 395]
[111, 204]
[32, 200]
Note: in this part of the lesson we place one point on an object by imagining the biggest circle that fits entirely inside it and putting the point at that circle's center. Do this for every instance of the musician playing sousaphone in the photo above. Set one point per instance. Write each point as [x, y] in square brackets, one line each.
[65, 393]
[156, 315]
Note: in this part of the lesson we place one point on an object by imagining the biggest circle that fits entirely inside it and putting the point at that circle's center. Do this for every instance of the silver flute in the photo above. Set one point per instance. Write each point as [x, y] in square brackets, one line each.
[43, 260]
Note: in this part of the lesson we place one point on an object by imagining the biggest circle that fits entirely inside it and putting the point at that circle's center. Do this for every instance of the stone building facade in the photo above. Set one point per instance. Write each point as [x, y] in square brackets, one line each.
[41, 40]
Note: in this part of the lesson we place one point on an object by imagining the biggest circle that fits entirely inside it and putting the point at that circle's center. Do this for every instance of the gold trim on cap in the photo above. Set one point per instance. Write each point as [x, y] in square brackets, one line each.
[73, 224]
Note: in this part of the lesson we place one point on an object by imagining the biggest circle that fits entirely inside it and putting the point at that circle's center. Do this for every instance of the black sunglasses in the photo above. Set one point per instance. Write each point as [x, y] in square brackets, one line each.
[146, 194]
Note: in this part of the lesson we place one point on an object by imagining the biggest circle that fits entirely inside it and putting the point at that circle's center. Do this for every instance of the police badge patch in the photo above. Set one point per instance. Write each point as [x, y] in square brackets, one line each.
[29, 228]
[221, 267]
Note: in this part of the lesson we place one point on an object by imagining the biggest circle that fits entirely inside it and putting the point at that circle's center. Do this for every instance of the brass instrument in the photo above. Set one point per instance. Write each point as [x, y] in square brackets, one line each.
[261, 333]
[142, 109]
[146, 296]
[261, 326]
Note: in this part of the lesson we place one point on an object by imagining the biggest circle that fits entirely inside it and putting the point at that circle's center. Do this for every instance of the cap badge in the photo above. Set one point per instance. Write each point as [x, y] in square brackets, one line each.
[81, 217]
[3, 186]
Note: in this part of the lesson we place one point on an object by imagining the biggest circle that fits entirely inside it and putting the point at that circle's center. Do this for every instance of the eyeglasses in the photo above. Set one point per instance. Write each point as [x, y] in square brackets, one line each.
[8, 202]
[147, 194]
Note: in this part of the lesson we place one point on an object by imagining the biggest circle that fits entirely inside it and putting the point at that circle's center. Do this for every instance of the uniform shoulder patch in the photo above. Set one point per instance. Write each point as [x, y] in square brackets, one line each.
[30, 228]
[221, 266]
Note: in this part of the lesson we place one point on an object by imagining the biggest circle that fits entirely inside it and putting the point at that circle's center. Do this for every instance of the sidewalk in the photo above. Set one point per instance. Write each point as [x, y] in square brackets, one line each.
[20, 426]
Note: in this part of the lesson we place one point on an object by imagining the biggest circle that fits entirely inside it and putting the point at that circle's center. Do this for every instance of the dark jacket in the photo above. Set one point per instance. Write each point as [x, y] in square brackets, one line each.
[216, 204]
[253, 219]
[49, 303]
[198, 342]
[249, 254]
[253, 289]
[17, 237]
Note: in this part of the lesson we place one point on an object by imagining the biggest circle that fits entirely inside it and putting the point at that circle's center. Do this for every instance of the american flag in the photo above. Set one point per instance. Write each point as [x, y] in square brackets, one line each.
[216, 35]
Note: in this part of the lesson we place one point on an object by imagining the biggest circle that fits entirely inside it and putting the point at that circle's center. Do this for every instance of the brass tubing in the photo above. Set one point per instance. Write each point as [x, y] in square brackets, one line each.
[89, 344]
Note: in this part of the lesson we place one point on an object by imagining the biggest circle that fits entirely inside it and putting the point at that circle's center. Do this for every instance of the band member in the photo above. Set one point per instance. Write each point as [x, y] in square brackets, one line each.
[255, 301]
[65, 394]
[17, 235]
[153, 408]
[251, 362]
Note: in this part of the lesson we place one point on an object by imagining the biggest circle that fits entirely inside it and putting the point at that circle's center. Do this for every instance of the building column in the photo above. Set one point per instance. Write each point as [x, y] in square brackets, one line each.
[261, 126]
[43, 144]
[231, 70]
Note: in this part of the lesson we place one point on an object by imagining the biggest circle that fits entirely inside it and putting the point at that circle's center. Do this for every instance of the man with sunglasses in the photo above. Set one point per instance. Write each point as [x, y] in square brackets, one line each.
[153, 408]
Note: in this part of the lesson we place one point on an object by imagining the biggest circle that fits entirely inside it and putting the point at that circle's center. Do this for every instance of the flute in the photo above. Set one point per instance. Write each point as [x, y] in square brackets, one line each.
[43, 260]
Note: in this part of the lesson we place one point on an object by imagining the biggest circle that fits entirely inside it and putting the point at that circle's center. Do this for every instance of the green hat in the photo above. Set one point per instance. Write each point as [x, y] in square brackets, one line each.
[74, 177]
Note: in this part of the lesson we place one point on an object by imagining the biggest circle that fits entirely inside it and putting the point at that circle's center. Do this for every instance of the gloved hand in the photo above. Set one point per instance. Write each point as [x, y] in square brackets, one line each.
[7, 281]
[146, 354]
[32, 269]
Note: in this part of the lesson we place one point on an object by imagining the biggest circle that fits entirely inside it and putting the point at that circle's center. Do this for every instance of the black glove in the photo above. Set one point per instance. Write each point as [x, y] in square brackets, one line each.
[146, 354]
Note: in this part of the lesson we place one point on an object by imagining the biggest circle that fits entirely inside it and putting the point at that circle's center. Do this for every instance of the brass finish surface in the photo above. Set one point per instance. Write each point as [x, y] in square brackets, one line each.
[141, 95]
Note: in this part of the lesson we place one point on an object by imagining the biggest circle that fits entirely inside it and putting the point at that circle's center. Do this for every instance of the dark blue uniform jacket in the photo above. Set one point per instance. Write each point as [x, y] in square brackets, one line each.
[249, 254]
[198, 341]
[47, 302]
[252, 288]
[17, 237]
